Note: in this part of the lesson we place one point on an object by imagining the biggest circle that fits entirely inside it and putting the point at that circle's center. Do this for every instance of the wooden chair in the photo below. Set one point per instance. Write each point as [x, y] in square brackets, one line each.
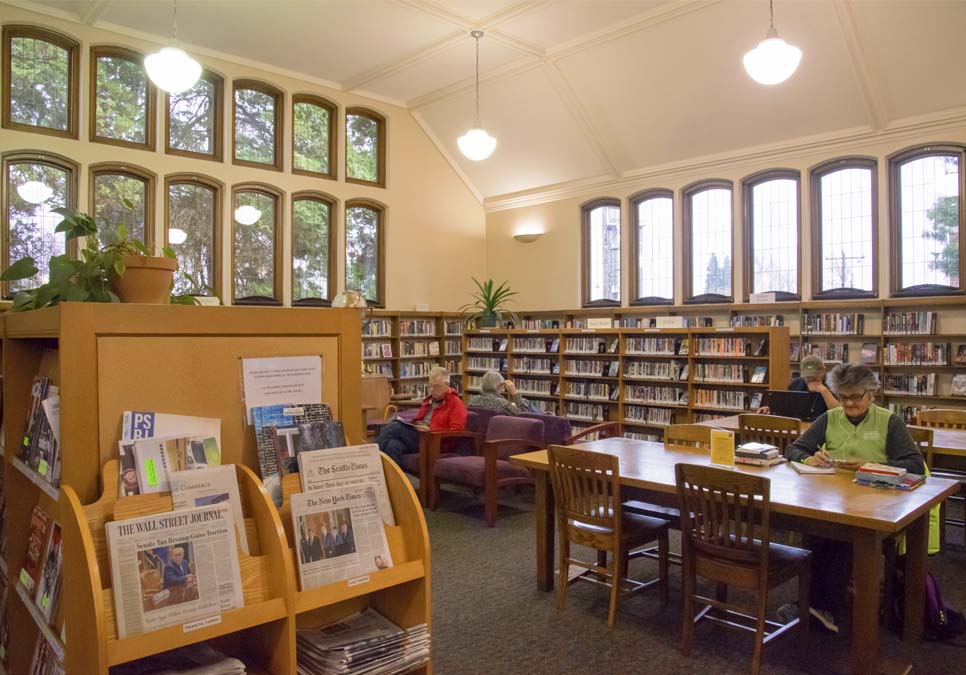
[688, 435]
[586, 487]
[721, 511]
[937, 461]
[596, 432]
[778, 431]
[377, 410]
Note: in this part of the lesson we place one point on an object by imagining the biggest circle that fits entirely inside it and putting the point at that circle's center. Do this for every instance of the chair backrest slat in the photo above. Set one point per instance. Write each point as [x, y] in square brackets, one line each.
[942, 418]
[778, 431]
[586, 486]
[923, 437]
[688, 435]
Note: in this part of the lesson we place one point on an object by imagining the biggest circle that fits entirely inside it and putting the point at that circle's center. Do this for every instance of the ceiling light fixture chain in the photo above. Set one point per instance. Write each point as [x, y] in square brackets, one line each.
[174, 20]
[476, 144]
[477, 34]
[171, 69]
[773, 61]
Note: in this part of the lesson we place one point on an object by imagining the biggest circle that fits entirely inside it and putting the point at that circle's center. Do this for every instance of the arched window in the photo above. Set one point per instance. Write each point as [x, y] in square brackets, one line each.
[256, 241]
[193, 119]
[121, 194]
[708, 235]
[41, 81]
[365, 147]
[652, 247]
[600, 246]
[122, 98]
[35, 184]
[313, 136]
[192, 215]
[772, 233]
[257, 128]
[844, 228]
[313, 248]
[926, 185]
[365, 250]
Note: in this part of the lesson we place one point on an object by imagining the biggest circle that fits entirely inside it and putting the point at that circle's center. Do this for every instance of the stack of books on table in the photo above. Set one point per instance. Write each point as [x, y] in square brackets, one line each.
[884, 476]
[758, 454]
[362, 643]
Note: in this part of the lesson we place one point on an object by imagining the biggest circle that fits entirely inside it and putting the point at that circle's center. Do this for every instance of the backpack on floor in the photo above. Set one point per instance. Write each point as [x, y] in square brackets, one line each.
[940, 621]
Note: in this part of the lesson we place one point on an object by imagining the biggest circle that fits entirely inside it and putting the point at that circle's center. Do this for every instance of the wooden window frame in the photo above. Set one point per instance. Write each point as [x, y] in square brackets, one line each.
[896, 160]
[748, 184]
[218, 191]
[332, 203]
[219, 116]
[151, 98]
[33, 157]
[149, 178]
[279, 96]
[816, 173]
[585, 210]
[333, 110]
[72, 47]
[381, 145]
[380, 209]
[279, 196]
[633, 203]
[687, 192]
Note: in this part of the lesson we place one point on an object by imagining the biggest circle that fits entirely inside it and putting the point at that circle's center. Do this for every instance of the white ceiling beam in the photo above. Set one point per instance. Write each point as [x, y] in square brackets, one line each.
[582, 117]
[440, 12]
[512, 11]
[521, 46]
[869, 84]
[42, 9]
[415, 58]
[441, 147]
[493, 75]
[93, 11]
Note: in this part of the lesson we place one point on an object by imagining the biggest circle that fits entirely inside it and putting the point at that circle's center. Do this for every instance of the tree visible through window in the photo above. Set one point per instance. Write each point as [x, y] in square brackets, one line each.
[111, 191]
[364, 154]
[254, 242]
[602, 252]
[846, 227]
[123, 97]
[30, 226]
[708, 224]
[40, 91]
[194, 118]
[310, 249]
[654, 246]
[773, 233]
[192, 234]
[312, 135]
[363, 250]
[257, 124]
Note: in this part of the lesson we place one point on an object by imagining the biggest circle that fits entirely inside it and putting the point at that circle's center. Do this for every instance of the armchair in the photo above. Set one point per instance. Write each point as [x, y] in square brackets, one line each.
[598, 431]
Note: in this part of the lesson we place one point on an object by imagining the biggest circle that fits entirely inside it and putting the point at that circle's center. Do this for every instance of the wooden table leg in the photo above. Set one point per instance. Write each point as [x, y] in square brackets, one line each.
[867, 568]
[545, 530]
[917, 542]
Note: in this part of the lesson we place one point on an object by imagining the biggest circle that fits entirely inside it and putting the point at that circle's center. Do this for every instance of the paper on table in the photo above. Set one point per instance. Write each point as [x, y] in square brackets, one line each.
[722, 447]
[805, 468]
[282, 379]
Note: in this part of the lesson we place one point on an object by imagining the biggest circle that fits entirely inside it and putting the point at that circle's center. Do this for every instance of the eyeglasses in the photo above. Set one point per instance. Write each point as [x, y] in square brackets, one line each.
[852, 398]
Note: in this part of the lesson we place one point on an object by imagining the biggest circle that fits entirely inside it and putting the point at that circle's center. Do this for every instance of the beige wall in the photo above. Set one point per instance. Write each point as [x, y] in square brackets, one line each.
[432, 218]
[547, 272]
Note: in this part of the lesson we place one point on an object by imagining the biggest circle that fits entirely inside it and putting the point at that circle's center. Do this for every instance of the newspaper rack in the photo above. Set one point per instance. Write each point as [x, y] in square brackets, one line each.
[400, 593]
[261, 633]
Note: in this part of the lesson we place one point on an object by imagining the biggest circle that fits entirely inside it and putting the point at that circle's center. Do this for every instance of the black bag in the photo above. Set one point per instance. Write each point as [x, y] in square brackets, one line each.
[940, 621]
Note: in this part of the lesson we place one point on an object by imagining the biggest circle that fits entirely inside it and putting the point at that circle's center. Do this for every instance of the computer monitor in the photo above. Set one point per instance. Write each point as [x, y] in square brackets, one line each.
[800, 404]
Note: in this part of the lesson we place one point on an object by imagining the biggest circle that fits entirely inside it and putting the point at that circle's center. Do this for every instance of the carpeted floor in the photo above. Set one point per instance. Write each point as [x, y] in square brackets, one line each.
[489, 617]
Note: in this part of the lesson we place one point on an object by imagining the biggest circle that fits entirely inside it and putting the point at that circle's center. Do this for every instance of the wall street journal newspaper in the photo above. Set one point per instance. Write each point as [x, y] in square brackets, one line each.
[340, 467]
[339, 534]
[173, 567]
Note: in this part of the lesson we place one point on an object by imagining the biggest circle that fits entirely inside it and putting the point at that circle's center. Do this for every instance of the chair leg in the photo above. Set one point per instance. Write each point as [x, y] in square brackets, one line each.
[804, 588]
[889, 573]
[662, 566]
[759, 631]
[721, 595]
[434, 494]
[687, 606]
[489, 505]
[942, 524]
[617, 565]
[564, 576]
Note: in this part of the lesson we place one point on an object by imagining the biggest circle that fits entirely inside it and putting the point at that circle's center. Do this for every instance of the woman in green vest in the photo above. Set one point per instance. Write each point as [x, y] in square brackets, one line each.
[848, 437]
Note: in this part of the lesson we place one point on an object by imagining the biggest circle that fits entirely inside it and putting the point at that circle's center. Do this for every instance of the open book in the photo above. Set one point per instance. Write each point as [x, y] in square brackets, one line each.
[804, 468]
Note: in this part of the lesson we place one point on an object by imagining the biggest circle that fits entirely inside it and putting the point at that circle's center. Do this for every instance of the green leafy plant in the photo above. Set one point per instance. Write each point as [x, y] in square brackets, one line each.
[85, 279]
[489, 301]
[190, 297]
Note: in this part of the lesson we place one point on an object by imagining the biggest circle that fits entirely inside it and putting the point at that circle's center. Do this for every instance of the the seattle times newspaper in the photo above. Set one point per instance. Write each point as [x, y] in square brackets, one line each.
[342, 467]
[173, 568]
[339, 535]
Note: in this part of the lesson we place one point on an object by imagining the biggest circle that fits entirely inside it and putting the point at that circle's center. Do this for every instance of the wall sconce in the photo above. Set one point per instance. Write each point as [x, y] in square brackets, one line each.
[528, 238]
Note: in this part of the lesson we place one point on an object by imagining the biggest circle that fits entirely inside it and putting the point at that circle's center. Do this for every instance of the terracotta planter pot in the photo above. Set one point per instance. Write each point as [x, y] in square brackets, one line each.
[145, 280]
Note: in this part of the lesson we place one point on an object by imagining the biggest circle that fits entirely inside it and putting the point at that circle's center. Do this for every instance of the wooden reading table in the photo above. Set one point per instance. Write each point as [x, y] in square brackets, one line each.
[827, 505]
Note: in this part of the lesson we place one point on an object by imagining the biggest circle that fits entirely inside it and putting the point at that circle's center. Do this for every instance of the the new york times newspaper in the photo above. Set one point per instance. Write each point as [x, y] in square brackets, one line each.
[173, 568]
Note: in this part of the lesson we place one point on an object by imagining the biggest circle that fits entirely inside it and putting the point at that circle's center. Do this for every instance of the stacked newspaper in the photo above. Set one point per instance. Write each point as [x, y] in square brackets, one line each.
[197, 659]
[362, 644]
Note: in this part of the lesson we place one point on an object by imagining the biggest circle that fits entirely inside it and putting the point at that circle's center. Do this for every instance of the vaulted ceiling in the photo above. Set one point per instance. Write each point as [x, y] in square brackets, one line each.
[578, 91]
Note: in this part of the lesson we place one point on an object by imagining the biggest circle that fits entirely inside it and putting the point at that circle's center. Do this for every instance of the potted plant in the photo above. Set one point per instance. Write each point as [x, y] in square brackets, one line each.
[488, 301]
[124, 271]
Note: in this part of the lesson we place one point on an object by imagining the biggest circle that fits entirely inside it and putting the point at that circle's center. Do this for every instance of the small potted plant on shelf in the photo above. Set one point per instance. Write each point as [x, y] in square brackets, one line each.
[488, 302]
[123, 271]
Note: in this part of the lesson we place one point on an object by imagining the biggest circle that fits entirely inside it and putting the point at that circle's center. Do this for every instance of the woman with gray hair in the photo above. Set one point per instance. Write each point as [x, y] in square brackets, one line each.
[847, 437]
[493, 387]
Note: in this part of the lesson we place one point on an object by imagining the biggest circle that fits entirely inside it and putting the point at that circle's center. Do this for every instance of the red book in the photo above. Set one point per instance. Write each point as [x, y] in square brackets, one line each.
[36, 545]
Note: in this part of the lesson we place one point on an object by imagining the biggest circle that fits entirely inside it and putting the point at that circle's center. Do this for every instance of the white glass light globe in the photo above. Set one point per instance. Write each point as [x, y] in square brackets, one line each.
[350, 299]
[176, 235]
[34, 192]
[476, 144]
[772, 61]
[247, 215]
[172, 70]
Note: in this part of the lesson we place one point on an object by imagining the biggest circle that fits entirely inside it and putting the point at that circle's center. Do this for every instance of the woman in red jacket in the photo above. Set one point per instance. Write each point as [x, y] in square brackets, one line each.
[441, 410]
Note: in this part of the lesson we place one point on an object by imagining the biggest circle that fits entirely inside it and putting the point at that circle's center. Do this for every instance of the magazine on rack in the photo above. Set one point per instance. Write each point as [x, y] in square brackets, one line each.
[207, 486]
[268, 420]
[156, 457]
[36, 546]
[196, 659]
[339, 535]
[173, 568]
[335, 468]
[149, 424]
[48, 591]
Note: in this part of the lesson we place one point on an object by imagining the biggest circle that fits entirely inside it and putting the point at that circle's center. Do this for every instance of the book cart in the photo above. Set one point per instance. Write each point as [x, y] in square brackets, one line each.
[183, 360]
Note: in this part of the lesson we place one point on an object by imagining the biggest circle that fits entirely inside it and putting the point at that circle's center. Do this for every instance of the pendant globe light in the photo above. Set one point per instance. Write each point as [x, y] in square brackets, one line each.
[34, 192]
[476, 144]
[247, 214]
[171, 69]
[773, 61]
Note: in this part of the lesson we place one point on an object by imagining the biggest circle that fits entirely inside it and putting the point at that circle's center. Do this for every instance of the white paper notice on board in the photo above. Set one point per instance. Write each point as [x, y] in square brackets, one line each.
[281, 379]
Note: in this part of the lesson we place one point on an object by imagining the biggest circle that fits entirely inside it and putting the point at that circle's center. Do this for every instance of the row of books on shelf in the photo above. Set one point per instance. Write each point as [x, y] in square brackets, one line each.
[726, 399]
[413, 327]
[585, 389]
[832, 323]
[910, 323]
[641, 436]
[829, 352]
[381, 368]
[637, 393]
[756, 320]
[655, 346]
[729, 372]
[377, 350]
[416, 368]
[918, 354]
[731, 346]
[591, 368]
[591, 345]
[377, 328]
[530, 364]
[590, 412]
[920, 384]
[420, 348]
[663, 322]
[531, 386]
[486, 344]
[647, 415]
[490, 363]
[536, 345]
[656, 370]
